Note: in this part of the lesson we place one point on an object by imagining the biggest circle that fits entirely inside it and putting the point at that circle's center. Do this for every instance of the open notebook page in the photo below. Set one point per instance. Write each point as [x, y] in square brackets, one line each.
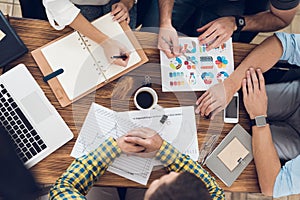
[102, 123]
[80, 71]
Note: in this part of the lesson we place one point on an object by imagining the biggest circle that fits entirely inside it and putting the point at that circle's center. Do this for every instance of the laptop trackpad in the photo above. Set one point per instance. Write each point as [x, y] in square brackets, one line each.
[35, 107]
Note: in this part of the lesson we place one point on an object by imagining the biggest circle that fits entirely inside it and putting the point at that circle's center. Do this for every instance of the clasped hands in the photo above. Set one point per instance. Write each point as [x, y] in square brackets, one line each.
[143, 142]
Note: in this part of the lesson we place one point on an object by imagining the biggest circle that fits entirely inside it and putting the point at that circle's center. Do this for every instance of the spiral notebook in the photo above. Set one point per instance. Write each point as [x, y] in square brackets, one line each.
[81, 64]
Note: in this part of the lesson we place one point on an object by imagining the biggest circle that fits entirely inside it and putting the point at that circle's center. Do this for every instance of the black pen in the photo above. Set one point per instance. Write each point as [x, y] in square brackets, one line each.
[124, 57]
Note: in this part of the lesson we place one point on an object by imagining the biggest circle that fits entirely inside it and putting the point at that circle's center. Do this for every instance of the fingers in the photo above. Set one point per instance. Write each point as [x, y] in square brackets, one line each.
[206, 33]
[206, 99]
[218, 42]
[213, 106]
[249, 82]
[121, 62]
[202, 97]
[168, 53]
[254, 80]
[203, 28]
[120, 12]
[244, 86]
[136, 140]
[261, 80]
[176, 47]
[134, 148]
[141, 132]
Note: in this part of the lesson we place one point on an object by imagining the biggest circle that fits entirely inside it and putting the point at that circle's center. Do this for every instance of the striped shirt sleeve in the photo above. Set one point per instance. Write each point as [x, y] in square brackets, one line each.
[177, 162]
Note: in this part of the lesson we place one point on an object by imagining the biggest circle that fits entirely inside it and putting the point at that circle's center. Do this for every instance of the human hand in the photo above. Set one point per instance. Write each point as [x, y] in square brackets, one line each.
[127, 147]
[254, 94]
[146, 138]
[112, 48]
[168, 41]
[216, 32]
[120, 12]
[214, 100]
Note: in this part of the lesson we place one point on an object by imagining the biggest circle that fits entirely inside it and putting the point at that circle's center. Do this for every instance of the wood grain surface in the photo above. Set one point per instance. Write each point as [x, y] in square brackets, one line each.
[118, 95]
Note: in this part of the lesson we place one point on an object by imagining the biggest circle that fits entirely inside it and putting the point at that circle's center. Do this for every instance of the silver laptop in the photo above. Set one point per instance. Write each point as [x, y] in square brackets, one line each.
[32, 122]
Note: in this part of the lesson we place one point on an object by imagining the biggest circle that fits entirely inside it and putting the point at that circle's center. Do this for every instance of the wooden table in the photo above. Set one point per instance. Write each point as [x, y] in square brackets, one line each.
[118, 95]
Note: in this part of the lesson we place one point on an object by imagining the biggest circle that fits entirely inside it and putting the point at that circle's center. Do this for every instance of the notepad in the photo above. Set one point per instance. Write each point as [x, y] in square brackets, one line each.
[85, 66]
[233, 154]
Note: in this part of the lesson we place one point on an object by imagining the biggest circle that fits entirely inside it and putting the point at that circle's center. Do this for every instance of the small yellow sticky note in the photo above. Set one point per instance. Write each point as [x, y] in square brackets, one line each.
[2, 35]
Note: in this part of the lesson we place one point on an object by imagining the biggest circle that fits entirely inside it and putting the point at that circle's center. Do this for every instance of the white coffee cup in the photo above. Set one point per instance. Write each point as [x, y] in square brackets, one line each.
[145, 98]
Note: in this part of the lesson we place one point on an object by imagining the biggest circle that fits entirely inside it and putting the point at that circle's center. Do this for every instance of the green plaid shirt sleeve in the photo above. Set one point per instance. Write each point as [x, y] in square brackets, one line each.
[175, 161]
[84, 171]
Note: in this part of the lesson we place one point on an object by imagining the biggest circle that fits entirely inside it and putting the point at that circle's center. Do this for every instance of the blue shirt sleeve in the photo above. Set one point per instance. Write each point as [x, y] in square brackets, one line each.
[288, 179]
[291, 47]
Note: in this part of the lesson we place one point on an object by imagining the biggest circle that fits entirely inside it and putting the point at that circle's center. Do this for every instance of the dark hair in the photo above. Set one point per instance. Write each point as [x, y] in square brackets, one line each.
[185, 186]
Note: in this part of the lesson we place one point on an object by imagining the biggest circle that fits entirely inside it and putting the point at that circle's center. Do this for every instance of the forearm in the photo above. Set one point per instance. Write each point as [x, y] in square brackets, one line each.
[82, 25]
[128, 3]
[165, 11]
[267, 21]
[263, 56]
[84, 171]
[266, 158]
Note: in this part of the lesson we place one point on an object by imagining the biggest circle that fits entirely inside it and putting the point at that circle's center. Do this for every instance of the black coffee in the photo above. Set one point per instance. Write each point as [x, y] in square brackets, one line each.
[144, 99]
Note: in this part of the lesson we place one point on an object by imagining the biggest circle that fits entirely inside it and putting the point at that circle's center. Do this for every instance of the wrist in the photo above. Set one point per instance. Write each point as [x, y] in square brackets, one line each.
[252, 116]
[127, 4]
[230, 87]
[233, 21]
[166, 23]
[240, 23]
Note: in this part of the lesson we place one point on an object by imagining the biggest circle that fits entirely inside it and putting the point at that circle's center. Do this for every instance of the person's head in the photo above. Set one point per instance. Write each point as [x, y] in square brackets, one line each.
[177, 186]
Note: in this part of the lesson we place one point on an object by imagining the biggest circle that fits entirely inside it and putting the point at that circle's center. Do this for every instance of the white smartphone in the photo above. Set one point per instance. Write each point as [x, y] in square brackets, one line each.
[231, 112]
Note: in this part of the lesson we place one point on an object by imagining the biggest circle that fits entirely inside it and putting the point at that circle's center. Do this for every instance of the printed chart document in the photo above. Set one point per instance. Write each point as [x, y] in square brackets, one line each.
[179, 129]
[233, 154]
[196, 69]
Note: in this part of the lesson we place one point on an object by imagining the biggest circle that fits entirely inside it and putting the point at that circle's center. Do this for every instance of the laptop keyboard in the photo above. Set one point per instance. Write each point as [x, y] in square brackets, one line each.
[27, 141]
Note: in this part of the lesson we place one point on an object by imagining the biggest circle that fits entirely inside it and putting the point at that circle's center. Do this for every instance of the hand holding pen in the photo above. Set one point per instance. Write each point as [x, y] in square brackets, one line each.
[115, 52]
[168, 42]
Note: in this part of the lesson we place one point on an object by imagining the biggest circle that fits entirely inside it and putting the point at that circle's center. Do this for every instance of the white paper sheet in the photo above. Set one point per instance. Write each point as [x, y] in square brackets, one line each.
[101, 123]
